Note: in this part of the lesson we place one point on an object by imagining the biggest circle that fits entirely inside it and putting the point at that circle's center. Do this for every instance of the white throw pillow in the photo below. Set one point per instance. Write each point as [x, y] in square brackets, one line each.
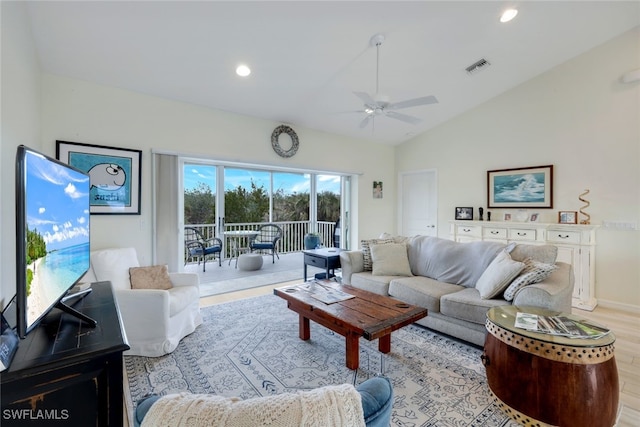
[533, 272]
[390, 259]
[498, 275]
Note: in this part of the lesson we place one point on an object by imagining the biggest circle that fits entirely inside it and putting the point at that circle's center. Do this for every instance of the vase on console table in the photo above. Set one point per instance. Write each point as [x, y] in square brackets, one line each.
[481, 213]
[311, 241]
[521, 216]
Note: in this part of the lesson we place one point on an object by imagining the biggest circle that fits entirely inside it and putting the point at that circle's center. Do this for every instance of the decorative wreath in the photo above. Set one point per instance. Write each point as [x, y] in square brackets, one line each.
[276, 145]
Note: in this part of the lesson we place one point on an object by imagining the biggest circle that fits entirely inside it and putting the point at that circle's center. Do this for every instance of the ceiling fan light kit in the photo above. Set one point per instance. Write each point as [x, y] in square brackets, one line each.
[380, 105]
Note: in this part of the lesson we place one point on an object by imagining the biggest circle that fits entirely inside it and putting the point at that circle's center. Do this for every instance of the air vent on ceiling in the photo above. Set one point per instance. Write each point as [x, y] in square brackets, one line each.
[477, 66]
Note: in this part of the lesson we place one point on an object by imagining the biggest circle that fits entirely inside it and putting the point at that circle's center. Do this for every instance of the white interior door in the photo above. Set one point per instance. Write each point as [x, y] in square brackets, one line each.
[418, 203]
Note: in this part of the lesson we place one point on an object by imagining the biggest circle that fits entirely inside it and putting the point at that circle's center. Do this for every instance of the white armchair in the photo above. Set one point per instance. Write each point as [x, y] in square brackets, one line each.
[154, 320]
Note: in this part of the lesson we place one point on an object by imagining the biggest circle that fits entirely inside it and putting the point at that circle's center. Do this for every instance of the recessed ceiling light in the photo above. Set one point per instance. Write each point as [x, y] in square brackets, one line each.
[508, 15]
[243, 70]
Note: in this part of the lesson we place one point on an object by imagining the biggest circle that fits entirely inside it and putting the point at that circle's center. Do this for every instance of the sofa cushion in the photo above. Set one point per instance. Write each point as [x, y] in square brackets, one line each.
[152, 277]
[114, 265]
[498, 275]
[421, 291]
[366, 250]
[449, 261]
[541, 253]
[533, 272]
[467, 305]
[367, 281]
[390, 260]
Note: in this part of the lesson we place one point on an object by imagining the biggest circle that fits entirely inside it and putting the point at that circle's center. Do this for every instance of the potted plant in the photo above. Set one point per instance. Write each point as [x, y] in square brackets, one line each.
[312, 240]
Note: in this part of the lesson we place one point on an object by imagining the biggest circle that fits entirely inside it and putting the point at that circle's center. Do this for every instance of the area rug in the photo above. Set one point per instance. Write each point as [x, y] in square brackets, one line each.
[250, 348]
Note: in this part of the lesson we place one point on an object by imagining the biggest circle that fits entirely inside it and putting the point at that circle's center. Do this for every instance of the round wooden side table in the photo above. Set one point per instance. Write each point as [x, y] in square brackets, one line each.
[547, 380]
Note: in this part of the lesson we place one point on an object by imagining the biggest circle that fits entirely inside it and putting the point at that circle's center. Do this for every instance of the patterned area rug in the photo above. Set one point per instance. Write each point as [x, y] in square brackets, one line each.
[250, 348]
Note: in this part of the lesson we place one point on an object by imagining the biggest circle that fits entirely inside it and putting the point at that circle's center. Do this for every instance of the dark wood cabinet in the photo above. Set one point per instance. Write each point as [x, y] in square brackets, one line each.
[66, 372]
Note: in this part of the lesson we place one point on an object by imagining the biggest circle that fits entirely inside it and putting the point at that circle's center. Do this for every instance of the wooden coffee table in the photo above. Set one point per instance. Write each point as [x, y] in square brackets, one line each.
[367, 315]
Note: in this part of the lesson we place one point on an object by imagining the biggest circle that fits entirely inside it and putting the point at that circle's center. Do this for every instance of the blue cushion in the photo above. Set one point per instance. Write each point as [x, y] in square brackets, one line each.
[262, 245]
[207, 251]
[377, 401]
[143, 407]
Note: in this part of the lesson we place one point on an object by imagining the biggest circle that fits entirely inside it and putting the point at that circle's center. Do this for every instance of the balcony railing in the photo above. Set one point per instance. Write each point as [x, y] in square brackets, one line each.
[293, 233]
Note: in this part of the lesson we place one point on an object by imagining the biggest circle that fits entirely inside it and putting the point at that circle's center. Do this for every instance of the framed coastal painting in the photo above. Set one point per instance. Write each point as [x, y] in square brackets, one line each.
[530, 187]
[114, 175]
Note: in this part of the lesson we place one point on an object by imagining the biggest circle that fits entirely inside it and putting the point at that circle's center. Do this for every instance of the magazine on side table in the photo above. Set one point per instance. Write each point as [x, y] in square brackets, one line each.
[559, 325]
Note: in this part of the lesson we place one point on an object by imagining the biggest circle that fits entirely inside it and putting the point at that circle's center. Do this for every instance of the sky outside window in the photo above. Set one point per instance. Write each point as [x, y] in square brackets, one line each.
[287, 182]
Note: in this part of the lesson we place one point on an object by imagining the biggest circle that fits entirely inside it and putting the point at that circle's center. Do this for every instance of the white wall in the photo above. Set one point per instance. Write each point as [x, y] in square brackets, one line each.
[578, 117]
[78, 111]
[20, 115]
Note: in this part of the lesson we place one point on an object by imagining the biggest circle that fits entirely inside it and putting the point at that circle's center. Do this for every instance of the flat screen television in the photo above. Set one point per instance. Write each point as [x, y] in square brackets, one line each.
[52, 235]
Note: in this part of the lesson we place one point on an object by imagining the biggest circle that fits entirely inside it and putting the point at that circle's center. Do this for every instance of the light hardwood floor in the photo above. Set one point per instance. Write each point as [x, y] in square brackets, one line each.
[625, 326]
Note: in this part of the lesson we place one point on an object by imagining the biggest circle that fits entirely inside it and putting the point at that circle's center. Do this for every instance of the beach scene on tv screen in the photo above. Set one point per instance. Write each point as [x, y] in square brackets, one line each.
[57, 212]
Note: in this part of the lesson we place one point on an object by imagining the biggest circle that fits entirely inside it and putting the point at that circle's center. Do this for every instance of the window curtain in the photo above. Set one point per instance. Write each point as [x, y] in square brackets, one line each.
[166, 230]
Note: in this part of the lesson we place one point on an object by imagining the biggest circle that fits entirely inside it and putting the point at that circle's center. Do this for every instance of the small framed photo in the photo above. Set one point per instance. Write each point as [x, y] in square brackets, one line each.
[377, 189]
[114, 174]
[568, 217]
[507, 216]
[534, 217]
[464, 213]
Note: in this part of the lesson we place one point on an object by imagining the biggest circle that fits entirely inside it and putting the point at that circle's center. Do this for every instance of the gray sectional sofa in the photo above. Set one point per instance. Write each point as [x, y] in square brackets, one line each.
[443, 276]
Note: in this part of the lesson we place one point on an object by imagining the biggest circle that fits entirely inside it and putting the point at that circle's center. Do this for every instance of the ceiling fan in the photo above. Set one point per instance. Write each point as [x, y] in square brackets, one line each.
[379, 105]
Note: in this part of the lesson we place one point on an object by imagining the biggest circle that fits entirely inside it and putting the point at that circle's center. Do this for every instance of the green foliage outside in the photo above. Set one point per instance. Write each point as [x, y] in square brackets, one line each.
[36, 248]
[200, 205]
[243, 205]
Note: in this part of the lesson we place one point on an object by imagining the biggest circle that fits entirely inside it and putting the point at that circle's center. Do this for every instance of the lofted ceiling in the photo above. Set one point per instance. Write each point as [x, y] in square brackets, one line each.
[308, 57]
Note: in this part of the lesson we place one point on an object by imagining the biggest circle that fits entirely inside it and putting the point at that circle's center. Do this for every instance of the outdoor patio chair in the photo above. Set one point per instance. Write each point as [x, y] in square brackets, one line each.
[199, 248]
[267, 239]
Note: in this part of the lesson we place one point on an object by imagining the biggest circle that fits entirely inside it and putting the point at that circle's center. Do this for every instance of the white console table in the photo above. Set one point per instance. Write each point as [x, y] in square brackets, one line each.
[576, 246]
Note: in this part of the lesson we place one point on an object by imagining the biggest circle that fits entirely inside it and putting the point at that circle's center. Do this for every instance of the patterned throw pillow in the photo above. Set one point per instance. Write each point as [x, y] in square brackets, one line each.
[366, 250]
[533, 272]
[154, 277]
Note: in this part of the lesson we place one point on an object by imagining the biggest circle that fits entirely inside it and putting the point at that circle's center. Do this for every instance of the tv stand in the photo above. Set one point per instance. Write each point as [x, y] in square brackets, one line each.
[68, 370]
[75, 313]
[62, 305]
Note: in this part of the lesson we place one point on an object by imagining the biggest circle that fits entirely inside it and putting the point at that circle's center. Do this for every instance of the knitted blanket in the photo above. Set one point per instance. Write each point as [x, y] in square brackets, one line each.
[326, 406]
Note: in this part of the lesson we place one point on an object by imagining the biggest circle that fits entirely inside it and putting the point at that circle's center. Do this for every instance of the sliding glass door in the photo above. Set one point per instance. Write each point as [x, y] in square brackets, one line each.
[220, 197]
[200, 199]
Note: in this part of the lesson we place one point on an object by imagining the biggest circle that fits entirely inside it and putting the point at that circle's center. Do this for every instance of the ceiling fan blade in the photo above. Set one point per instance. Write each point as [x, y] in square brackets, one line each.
[403, 117]
[368, 100]
[425, 100]
[365, 122]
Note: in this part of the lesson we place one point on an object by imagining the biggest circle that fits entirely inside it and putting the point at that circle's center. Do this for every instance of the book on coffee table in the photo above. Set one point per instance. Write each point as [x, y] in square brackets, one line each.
[559, 325]
[325, 294]
[330, 296]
